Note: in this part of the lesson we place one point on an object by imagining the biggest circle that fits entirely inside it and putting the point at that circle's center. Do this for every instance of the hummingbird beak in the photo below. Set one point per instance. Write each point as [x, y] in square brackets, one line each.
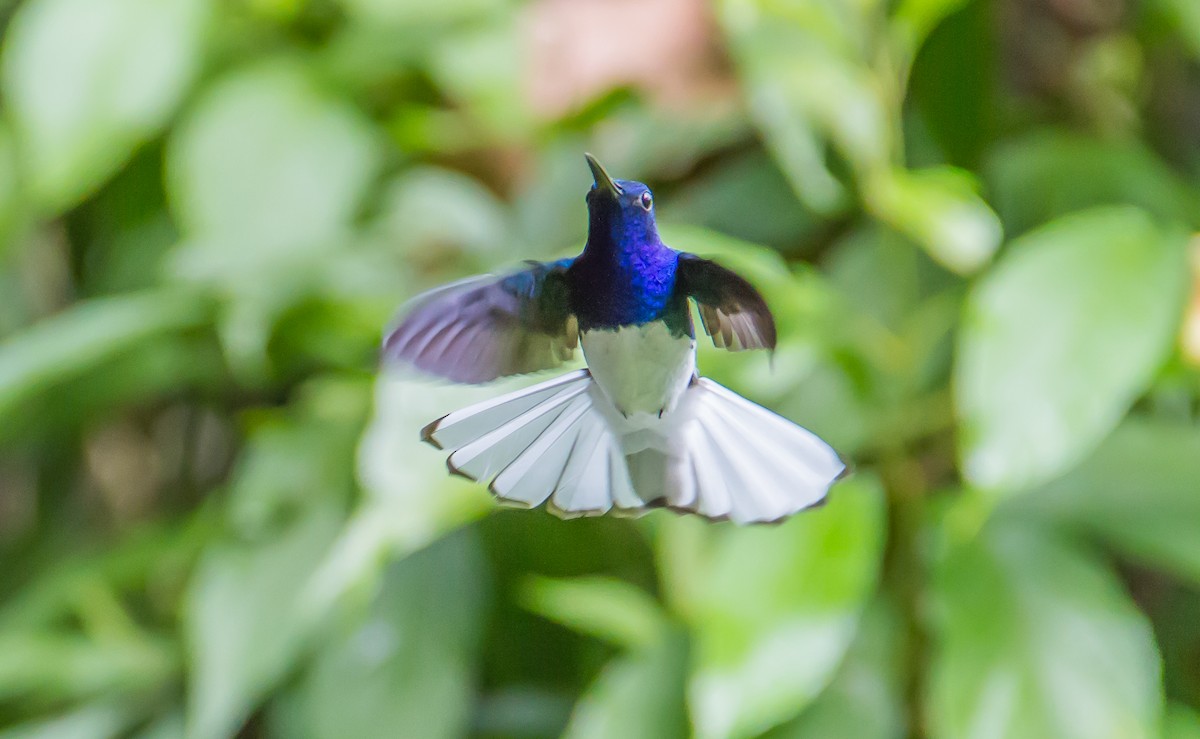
[604, 183]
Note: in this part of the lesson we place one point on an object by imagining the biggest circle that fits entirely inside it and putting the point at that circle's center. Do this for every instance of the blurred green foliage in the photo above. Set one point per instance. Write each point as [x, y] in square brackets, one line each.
[971, 217]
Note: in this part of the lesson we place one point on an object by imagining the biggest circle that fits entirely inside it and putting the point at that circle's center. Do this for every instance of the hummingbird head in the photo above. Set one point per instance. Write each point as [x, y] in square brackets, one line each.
[621, 210]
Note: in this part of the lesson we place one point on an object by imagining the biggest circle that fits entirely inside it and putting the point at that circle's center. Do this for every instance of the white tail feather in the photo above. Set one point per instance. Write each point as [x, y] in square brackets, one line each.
[532, 476]
[463, 426]
[762, 486]
[580, 488]
[712, 495]
[785, 468]
[563, 444]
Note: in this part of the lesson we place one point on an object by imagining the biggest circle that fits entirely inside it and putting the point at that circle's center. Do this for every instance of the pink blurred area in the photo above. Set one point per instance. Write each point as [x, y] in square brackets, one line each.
[580, 49]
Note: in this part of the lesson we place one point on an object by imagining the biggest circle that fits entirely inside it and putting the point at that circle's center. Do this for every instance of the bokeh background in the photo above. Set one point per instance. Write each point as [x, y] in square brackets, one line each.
[973, 219]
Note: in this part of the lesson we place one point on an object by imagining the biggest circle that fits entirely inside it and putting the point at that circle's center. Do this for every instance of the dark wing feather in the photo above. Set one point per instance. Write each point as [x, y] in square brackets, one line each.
[487, 327]
[734, 314]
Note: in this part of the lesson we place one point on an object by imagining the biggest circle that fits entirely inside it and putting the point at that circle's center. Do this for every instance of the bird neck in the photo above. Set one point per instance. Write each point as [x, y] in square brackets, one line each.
[623, 242]
[627, 275]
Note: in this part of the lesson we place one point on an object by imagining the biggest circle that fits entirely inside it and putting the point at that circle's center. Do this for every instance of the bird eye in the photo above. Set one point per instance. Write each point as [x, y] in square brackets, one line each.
[647, 201]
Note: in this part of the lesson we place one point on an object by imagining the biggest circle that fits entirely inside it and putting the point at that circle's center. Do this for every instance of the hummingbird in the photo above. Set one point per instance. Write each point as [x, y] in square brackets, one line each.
[639, 428]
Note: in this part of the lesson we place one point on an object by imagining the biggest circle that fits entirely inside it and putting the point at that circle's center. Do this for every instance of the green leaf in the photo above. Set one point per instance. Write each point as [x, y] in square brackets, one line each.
[266, 164]
[1047, 174]
[410, 12]
[772, 610]
[810, 88]
[952, 84]
[1182, 17]
[11, 194]
[941, 210]
[1037, 639]
[413, 499]
[265, 177]
[638, 696]
[610, 609]
[244, 623]
[89, 334]
[1140, 491]
[88, 81]
[300, 455]
[482, 69]
[1181, 722]
[1059, 339]
[747, 197]
[879, 272]
[164, 366]
[409, 661]
[429, 208]
[70, 666]
[171, 726]
[865, 698]
[917, 18]
[96, 721]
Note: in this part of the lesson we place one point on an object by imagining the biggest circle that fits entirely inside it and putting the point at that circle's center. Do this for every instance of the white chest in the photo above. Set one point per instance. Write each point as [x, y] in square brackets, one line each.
[642, 369]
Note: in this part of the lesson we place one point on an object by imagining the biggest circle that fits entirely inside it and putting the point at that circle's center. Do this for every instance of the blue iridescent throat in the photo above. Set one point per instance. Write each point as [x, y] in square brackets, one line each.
[625, 275]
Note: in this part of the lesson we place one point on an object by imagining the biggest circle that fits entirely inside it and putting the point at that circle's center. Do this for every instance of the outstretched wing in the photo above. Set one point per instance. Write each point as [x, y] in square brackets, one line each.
[732, 311]
[487, 327]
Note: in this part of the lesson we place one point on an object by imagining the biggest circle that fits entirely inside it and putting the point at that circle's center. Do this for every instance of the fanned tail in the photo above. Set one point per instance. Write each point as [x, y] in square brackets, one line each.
[545, 444]
[561, 443]
[746, 463]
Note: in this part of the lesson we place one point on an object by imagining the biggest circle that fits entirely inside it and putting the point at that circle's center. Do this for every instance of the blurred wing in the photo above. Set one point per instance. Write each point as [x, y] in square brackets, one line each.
[732, 311]
[487, 327]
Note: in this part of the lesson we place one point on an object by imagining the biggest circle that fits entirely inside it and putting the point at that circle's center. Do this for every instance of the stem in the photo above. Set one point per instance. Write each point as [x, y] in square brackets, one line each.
[905, 574]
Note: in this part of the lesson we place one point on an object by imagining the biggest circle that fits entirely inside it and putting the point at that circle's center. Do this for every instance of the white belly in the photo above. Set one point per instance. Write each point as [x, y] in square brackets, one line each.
[642, 369]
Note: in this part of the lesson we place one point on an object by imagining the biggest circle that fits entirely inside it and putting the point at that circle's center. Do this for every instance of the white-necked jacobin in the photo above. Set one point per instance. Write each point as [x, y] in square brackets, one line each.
[637, 429]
